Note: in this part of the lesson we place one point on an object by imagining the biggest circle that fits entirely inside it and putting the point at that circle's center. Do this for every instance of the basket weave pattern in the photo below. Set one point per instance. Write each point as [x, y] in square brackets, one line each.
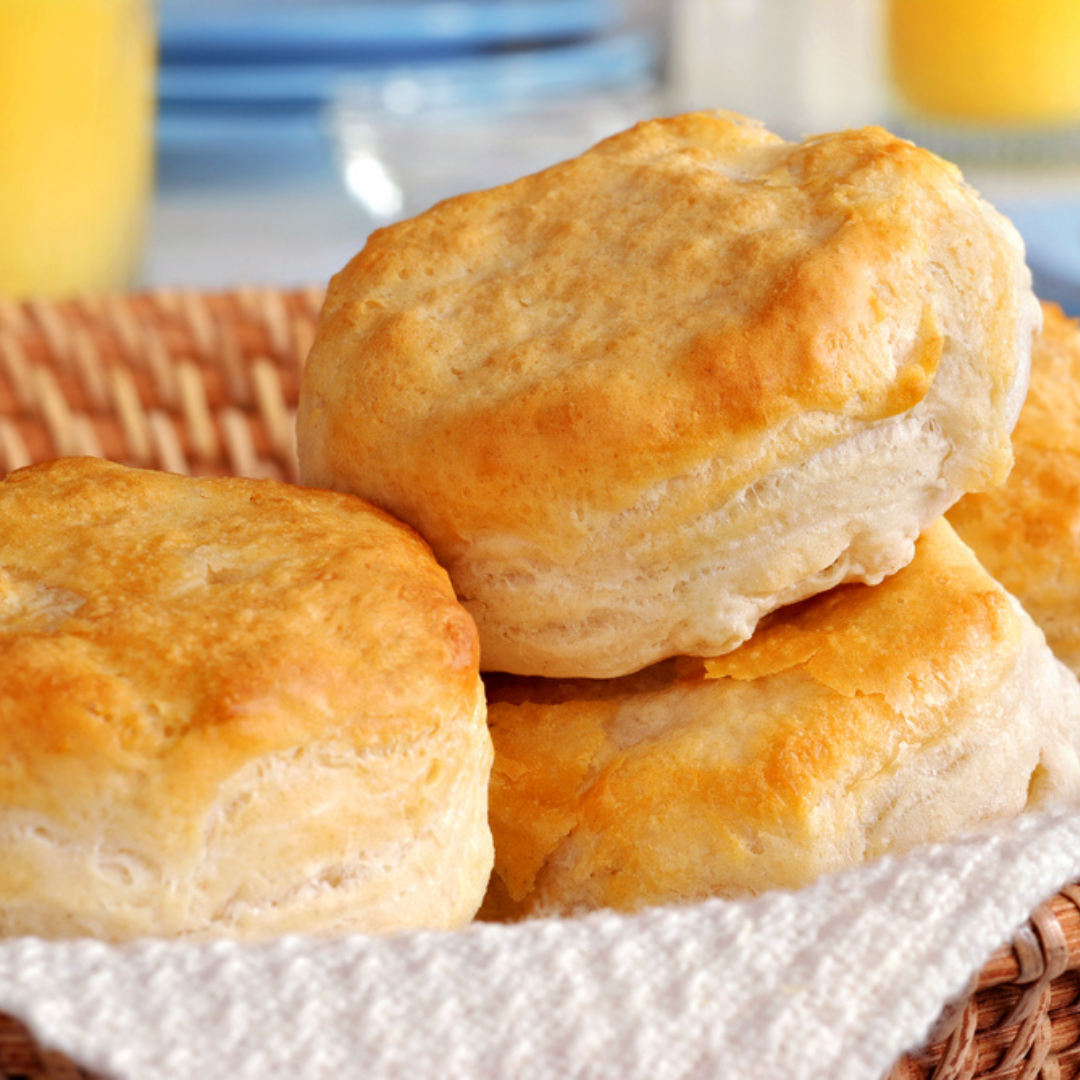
[195, 383]
[207, 384]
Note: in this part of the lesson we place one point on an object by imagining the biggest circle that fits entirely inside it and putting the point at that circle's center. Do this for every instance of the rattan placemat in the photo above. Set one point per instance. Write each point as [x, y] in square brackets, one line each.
[208, 384]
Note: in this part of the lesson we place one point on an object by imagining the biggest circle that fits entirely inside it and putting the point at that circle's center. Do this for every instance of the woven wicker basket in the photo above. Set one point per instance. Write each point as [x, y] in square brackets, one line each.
[207, 384]
[187, 382]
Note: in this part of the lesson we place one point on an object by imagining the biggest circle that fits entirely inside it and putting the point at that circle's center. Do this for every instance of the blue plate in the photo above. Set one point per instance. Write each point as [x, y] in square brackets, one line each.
[179, 130]
[201, 31]
[249, 150]
[564, 69]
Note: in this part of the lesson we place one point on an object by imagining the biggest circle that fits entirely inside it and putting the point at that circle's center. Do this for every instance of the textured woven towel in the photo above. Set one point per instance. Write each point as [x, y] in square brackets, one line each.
[834, 981]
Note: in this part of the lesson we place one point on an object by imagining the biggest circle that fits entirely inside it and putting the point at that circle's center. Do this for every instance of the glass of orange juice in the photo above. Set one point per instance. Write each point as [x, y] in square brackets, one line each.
[988, 78]
[76, 144]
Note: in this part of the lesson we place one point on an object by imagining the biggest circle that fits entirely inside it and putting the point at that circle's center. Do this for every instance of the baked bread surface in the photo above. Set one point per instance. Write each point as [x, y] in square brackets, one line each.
[638, 400]
[1027, 532]
[863, 721]
[230, 707]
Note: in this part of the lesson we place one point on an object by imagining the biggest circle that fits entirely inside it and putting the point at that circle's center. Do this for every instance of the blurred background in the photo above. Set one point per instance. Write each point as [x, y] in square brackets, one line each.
[227, 142]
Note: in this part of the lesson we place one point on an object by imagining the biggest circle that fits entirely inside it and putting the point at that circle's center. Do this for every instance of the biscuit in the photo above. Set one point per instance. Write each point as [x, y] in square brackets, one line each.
[862, 721]
[1027, 532]
[230, 707]
[638, 400]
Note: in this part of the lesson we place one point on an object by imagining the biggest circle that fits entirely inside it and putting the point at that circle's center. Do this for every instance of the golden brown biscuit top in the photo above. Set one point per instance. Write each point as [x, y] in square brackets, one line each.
[1050, 418]
[179, 627]
[678, 293]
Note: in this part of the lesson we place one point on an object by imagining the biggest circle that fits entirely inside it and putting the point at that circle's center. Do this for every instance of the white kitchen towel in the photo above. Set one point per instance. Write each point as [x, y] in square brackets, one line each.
[834, 981]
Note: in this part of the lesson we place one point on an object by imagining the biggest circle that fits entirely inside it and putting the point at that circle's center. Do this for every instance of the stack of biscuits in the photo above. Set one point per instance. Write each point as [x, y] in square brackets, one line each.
[682, 418]
[662, 440]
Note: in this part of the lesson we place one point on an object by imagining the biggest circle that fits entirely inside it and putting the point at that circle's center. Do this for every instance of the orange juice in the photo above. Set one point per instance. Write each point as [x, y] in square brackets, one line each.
[1011, 62]
[76, 143]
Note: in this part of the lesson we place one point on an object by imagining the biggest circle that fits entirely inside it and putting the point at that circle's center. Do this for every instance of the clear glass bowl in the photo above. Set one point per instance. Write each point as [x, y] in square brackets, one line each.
[414, 136]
